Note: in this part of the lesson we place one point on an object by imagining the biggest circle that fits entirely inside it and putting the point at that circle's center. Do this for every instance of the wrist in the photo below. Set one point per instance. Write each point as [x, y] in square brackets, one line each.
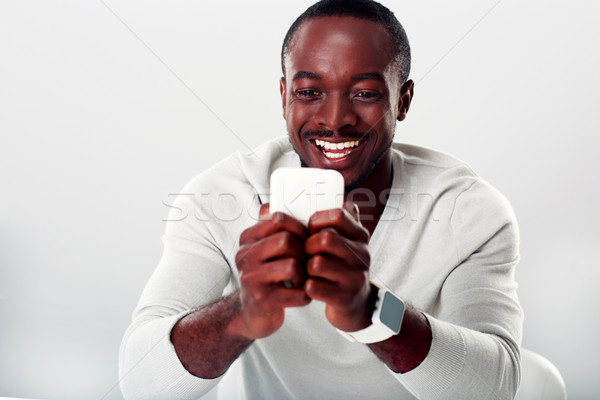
[237, 325]
[358, 316]
[386, 319]
[369, 306]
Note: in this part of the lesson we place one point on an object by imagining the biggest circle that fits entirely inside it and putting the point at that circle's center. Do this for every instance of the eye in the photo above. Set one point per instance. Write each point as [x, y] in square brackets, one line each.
[307, 93]
[367, 95]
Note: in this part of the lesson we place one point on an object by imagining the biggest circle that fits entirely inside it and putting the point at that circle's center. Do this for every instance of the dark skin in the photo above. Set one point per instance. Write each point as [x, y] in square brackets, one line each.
[341, 79]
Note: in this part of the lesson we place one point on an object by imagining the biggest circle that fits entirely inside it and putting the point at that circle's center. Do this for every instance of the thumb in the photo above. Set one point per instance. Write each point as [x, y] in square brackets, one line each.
[263, 213]
[352, 209]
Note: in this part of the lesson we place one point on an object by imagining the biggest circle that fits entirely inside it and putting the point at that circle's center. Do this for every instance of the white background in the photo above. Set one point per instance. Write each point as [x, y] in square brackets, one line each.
[103, 115]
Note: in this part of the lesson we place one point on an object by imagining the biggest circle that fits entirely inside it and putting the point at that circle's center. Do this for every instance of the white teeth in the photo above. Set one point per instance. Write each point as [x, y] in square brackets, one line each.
[336, 155]
[336, 146]
[348, 146]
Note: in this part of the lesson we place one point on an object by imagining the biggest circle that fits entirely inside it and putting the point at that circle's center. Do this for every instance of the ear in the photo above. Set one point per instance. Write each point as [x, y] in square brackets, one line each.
[283, 94]
[406, 95]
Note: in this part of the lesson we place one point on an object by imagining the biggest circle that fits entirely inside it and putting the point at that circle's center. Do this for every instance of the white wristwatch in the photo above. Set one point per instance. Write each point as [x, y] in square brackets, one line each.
[386, 319]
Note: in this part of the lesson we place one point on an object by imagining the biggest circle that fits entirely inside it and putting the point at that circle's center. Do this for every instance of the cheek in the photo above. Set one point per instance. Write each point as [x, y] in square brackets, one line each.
[298, 116]
[374, 116]
[380, 119]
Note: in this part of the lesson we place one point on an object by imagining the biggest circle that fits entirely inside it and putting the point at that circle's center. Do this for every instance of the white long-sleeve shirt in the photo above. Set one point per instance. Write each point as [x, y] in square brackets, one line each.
[447, 243]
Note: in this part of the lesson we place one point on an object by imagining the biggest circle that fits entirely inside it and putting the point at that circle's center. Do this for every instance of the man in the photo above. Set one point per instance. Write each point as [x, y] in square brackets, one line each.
[418, 222]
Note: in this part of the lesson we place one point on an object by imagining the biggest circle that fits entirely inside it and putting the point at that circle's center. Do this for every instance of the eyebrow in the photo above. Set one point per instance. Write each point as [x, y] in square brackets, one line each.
[306, 75]
[376, 76]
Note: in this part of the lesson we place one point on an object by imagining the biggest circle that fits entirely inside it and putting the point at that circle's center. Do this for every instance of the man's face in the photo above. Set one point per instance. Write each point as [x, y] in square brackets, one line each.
[342, 96]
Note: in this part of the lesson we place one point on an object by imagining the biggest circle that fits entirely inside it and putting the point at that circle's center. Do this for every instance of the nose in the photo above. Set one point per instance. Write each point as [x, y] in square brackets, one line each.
[335, 113]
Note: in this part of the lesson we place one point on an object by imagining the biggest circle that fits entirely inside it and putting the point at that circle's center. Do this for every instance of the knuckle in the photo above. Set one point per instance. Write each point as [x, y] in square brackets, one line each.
[310, 267]
[311, 286]
[278, 219]
[327, 238]
[284, 240]
[315, 265]
[338, 216]
[244, 237]
[258, 296]
[290, 266]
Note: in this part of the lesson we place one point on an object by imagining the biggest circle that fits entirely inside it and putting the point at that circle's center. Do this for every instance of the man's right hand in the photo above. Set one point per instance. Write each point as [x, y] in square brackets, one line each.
[271, 264]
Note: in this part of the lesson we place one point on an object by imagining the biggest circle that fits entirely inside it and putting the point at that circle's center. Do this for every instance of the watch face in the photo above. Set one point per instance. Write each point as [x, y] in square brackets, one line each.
[392, 311]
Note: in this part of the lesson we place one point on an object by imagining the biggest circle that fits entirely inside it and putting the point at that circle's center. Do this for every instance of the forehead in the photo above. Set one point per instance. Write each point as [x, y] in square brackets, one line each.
[338, 45]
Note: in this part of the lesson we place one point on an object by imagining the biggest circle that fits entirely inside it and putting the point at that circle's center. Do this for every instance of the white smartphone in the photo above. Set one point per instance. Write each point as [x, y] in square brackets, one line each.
[300, 192]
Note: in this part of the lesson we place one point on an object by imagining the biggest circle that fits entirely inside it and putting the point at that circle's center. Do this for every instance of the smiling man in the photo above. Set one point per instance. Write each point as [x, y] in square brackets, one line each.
[422, 240]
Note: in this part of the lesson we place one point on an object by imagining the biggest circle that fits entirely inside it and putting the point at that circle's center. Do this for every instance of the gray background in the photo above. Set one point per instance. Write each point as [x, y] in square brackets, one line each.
[107, 108]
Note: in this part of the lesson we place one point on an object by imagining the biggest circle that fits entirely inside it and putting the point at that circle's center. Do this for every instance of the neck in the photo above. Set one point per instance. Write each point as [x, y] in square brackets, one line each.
[370, 196]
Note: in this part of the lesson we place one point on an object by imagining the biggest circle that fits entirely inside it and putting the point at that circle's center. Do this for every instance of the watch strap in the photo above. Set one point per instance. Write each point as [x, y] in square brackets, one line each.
[377, 331]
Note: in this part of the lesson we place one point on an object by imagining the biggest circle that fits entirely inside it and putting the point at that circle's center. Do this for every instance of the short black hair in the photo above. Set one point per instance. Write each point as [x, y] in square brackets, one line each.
[361, 9]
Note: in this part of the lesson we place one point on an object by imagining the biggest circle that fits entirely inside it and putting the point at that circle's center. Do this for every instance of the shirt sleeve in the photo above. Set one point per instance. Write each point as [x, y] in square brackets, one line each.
[192, 272]
[476, 333]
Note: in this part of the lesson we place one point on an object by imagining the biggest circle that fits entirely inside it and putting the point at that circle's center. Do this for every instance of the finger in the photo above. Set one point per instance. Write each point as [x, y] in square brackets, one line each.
[291, 297]
[263, 212]
[334, 270]
[329, 242]
[327, 292]
[340, 220]
[279, 245]
[262, 287]
[352, 209]
[266, 300]
[277, 272]
[272, 224]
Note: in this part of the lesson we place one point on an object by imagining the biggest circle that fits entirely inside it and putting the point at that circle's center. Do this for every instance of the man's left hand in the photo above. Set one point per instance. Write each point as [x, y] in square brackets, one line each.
[338, 267]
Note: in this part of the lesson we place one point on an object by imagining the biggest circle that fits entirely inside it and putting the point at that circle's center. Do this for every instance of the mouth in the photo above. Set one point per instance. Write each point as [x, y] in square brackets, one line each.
[337, 150]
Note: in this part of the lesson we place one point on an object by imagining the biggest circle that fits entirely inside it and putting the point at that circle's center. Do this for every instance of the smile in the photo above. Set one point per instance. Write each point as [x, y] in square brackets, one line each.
[334, 150]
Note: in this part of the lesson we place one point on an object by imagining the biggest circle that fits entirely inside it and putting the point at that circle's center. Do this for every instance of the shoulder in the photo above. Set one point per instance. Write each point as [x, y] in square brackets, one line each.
[443, 174]
[418, 155]
[431, 166]
[475, 210]
[430, 180]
